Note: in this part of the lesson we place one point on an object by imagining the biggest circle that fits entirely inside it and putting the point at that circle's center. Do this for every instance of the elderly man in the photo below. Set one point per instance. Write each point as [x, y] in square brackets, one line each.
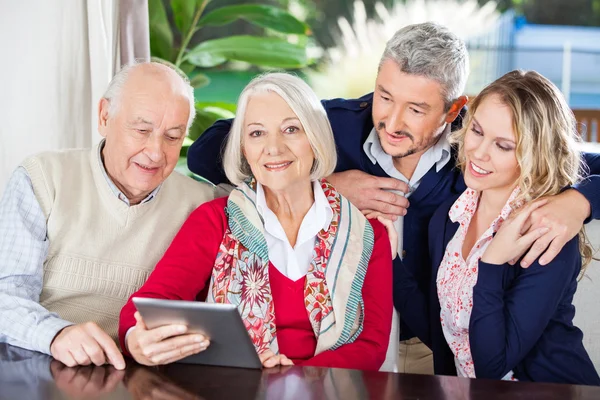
[80, 230]
[392, 146]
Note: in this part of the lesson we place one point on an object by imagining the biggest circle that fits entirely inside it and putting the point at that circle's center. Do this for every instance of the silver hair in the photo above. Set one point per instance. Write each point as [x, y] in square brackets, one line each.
[432, 51]
[304, 103]
[115, 88]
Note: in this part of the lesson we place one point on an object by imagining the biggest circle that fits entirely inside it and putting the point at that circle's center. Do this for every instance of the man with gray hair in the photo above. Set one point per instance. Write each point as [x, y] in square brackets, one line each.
[80, 230]
[392, 147]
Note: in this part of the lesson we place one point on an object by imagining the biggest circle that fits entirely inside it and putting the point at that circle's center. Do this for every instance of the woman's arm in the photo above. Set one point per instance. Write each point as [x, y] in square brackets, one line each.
[368, 351]
[508, 318]
[187, 264]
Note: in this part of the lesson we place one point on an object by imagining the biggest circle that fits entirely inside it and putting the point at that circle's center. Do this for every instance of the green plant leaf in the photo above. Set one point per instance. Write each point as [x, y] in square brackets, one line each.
[205, 59]
[259, 14]
[161, 37]
[183, 14]
[187, 68]
[205, 117]
[261, 51]
[199, 80]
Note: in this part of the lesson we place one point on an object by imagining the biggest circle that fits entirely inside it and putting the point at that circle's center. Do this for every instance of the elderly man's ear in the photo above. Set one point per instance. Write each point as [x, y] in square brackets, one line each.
[103, 107]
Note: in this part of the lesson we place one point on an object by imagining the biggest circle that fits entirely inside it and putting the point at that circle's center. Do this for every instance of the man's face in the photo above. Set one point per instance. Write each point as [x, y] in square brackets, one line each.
[145, 134]
[408, 111]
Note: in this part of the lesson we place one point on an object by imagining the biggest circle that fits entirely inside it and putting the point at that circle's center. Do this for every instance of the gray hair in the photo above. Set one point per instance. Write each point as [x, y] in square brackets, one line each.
[304, 103]
[432, 51]
[115, 88]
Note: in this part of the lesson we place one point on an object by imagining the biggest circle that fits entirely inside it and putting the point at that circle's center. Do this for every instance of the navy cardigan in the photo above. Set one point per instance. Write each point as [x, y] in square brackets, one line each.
[522, 319]
[351, 122]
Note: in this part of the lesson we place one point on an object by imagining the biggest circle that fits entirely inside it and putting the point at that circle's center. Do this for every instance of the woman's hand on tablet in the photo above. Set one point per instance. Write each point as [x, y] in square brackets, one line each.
[270, 359]
[163, 345]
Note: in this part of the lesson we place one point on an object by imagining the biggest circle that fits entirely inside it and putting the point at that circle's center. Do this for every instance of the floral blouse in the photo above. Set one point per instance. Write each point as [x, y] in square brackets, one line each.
[457, 276]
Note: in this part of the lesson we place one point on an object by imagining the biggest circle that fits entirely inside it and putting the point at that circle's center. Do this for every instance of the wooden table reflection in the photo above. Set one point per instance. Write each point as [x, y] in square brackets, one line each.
[26, 375]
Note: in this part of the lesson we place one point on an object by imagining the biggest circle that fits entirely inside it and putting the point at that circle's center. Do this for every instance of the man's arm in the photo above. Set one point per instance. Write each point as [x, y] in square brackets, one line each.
[23, 249]
[205, 155]
[23, 320]
[566, 213]
[373, 195]
[589, 187]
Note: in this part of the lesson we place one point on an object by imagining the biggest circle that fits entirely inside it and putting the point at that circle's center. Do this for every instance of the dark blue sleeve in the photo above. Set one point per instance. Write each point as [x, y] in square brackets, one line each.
[510, 315]
[205, 155]
[590, 185]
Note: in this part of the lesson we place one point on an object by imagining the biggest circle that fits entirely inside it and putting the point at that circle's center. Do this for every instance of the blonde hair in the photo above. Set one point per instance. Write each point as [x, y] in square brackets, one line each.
[307, 107]
[546, 138]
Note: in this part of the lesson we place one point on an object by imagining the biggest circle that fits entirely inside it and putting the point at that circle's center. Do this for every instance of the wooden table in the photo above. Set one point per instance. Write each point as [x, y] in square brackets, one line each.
[26, 375]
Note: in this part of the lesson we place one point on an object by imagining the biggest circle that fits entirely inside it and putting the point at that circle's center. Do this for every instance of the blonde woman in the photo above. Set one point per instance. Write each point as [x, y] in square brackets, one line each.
[490, 319]
[311, 276]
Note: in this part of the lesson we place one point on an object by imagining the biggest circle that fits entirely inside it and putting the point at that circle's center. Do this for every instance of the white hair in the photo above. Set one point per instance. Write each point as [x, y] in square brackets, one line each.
[432, 51]
[115, 88]
[307, 107]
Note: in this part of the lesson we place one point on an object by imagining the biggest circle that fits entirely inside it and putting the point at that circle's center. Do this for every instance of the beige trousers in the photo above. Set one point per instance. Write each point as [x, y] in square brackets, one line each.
[414, 357]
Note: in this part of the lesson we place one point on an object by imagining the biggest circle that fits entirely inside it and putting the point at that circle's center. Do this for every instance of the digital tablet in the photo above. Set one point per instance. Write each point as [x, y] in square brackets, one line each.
[230, 345]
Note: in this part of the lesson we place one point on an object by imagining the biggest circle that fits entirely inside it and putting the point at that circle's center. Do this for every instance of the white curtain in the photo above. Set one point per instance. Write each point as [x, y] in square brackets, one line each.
[57, 57]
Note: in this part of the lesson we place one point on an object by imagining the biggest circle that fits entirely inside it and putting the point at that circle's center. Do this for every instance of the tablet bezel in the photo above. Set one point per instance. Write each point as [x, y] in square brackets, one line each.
[230, 344]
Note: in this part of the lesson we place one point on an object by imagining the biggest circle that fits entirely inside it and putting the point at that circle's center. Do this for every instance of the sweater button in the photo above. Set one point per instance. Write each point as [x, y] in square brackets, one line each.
[403, 253]
[364, 104]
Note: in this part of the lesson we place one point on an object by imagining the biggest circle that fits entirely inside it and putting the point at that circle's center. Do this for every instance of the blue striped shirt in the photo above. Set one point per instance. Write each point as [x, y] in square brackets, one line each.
[23, 250]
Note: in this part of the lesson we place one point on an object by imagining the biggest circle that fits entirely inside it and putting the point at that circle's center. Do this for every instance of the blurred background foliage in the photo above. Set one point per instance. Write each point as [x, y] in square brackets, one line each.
[201, 38]
[334, 44]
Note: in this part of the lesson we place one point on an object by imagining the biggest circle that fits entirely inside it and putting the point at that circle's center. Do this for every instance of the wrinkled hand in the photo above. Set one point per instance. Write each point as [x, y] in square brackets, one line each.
[270, 359]
[86, 344]
[508, 242]
[85, 382]
[163, 345]
[371, 193]
[564, 214]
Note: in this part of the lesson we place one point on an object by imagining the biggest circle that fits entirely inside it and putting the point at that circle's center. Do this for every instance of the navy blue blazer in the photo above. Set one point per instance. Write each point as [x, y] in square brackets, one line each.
[522, 319]
[352, 122]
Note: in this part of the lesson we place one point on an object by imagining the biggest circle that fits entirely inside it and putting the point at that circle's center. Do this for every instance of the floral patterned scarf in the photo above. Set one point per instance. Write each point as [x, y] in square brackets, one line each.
[333, 288]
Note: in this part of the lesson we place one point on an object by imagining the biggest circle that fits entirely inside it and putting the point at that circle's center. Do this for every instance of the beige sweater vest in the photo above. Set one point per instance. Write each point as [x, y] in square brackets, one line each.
[102, 250]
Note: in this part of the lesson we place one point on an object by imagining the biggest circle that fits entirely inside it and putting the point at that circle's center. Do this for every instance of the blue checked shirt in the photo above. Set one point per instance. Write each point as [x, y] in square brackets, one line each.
[23, 249]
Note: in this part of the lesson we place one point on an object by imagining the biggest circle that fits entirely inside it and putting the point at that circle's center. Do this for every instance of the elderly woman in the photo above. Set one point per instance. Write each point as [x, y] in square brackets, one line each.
[310, 275]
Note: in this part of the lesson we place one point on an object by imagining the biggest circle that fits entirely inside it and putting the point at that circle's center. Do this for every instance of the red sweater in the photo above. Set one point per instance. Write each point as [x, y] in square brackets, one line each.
[185, 271]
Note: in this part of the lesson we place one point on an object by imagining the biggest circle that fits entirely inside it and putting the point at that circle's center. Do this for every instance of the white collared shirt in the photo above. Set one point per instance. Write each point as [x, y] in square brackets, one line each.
[438, 155]
[294, 262]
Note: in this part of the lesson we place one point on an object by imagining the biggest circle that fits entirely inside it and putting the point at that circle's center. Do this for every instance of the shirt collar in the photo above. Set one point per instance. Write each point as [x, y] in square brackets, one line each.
[464, 207]
[114, 187]
[438, 154]
[320, 212]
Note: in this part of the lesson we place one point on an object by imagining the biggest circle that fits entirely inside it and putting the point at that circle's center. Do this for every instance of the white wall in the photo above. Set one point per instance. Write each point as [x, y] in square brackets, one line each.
[42, 75]
[57, 59]
[587, 300]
